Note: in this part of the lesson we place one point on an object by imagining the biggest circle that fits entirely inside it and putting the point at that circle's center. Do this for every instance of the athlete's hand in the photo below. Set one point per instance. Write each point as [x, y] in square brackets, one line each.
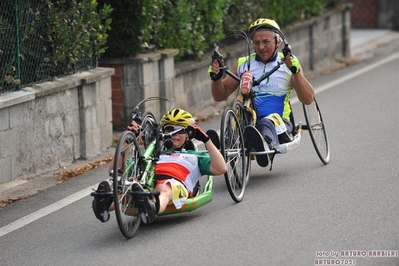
[134, 127]
[200, 134]
[292, 63]
[214, 71]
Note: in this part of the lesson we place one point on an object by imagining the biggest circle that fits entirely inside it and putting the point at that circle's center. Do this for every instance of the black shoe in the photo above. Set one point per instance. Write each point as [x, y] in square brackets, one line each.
[285, 137]
[148, 210]
[136, 187]
[258, 143]
[102, 201]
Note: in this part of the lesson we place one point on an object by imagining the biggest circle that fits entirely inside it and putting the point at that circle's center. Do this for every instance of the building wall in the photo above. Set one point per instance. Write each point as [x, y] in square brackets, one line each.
[49, 125]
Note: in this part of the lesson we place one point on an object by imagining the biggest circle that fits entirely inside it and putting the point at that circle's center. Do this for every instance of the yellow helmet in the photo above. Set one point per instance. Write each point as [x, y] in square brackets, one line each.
[177, 117]
[263, 23]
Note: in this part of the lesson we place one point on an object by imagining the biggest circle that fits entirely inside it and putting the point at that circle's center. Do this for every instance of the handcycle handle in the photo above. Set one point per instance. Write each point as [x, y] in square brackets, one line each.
[169, 135]
[216, 55]
[255, 82]
[150, 194]
[154, 193]
[267, 74]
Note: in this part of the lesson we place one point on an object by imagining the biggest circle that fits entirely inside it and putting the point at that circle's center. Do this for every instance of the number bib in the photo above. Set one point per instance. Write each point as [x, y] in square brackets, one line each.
[278, 123]
[179, 192]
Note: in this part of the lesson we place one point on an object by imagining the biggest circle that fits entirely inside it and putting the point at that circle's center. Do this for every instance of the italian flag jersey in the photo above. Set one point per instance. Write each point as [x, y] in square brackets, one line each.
[185, 166]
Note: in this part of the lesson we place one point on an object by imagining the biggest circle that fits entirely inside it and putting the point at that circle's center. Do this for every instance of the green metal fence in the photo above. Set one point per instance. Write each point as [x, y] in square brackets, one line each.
[25, 51]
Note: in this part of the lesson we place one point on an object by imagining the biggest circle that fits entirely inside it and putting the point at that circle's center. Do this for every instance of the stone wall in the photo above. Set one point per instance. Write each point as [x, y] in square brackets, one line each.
[187, 83]
[49, 125]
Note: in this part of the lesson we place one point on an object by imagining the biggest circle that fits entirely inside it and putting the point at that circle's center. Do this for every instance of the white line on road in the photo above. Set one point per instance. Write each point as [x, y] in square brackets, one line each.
[45, 211]
[85, 192]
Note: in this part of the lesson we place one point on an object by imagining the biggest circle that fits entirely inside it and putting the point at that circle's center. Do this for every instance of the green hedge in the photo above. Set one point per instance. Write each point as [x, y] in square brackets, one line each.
[76, 29]
[43, 39]
[194, 26]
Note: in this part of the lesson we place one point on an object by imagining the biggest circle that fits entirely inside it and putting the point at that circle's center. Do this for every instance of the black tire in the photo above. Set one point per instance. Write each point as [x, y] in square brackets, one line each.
[242, 116]
[317, 130]
[233, 151]
[128, 150]
[148, 124]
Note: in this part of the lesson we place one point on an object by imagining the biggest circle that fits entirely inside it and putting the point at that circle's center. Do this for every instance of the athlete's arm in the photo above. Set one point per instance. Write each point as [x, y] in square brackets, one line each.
[222, 88]
[218, 165]
[304, 90]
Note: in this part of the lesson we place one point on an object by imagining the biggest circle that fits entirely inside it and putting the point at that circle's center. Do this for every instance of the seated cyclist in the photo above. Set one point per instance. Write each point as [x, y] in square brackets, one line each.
[177, 170]
[272, 96]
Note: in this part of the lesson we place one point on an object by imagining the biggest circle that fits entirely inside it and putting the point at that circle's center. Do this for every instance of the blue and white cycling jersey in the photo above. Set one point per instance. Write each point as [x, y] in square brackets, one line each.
[273, 93]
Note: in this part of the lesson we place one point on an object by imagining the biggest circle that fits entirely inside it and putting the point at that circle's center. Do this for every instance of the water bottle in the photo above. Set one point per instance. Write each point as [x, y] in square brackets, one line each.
[246, 82]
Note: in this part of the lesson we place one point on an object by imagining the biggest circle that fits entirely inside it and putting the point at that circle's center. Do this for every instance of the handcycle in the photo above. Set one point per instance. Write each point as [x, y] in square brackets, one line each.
[135, 158]
[243, 108]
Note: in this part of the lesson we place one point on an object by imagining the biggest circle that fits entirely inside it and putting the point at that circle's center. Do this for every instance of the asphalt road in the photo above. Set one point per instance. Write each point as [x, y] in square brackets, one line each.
[300, 213]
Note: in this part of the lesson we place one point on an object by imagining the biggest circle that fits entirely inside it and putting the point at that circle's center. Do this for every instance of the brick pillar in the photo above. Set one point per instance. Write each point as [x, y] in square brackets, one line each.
[136, 78]
[118, 106]
[363, 13]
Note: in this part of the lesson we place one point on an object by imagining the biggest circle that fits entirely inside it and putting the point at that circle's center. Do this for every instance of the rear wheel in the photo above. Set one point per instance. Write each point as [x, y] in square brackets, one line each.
[126, 170]
[233, 150]
[317, 130]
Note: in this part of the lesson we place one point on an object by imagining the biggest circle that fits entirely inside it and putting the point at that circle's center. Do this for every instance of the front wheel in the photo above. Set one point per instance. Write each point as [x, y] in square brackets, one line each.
[126, 170]
[148, 125]
[317, 130]
[244, 118]
[233, 151]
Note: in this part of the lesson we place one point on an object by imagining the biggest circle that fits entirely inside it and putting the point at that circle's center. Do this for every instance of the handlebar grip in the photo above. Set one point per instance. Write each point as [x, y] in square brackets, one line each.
[216, 55]
[215, 77]
[136, 116]
[287, 49]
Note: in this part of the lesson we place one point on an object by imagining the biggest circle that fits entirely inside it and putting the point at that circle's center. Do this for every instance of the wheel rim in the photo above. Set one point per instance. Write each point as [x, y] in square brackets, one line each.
[317, 131]
[126, 213]
[234, 154]
[242, 117]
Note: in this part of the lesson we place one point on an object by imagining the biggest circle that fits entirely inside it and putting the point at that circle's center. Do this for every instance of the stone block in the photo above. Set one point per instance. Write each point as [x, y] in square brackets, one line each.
[6, 169]
[8, 142]
[5, 119]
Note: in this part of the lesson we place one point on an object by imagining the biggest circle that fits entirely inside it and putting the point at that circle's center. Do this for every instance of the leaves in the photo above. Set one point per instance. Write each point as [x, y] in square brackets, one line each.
[11, 200]
[77, 30]
[65, 174]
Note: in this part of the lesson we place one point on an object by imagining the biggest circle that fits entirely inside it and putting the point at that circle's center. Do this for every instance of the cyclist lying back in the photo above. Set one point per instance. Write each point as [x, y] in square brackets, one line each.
[177, 170]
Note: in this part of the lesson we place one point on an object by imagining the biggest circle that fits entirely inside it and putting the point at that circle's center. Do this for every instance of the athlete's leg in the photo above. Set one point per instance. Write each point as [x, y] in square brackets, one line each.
[165, 195]
[268, 131]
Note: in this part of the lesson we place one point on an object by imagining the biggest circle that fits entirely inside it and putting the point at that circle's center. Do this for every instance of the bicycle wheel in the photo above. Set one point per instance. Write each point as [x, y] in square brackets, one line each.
[147, 128]
[233, 150]
[317, 130]
[242, 117]
[126, 170]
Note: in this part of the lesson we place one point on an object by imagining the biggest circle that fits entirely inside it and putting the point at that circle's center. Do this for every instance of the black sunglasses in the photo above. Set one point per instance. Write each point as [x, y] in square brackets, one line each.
[169, 128]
